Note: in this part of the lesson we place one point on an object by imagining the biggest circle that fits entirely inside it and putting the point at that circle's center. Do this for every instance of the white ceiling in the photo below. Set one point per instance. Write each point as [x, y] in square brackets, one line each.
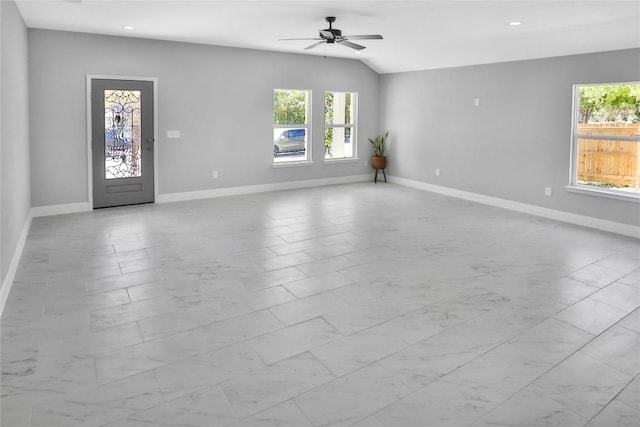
[417, 34]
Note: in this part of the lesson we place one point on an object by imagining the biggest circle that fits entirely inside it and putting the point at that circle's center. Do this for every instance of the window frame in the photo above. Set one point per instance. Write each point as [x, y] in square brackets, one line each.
[308, 160]
[353, 126]
[574, 186]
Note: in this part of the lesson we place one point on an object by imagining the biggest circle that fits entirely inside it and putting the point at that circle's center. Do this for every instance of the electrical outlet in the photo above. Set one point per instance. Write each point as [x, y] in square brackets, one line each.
[366, 162]
[548, 191]
[437, 172]
[215, 174]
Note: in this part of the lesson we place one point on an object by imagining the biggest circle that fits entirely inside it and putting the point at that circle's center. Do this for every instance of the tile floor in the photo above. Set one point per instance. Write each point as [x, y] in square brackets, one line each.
[358, 305]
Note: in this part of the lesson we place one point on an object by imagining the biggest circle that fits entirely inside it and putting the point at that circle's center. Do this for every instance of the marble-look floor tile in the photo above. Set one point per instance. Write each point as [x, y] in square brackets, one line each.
[617, 347]
[530, 408]
[293, 340]
[191, 375]
[322, 251]
[361, 305]
[15, 417]
[326, 265]
[131, 312]
[273, 278]
[284, 261]
[616, 415]
[621, 296]
[352, 397]
[286, 414]
[631, 394]
[438, 404]
[211, 317]
[70, 414]
[315, 285]
[307, 308]
[163, 287]
[59, 304]
[358, 350]
[365, 290]
[631, 279]
[93, 343]
[122, 281]
[622, 262]
[371, 421]
[266, 387]
[206, 407]
[591, 315]
[357, 317]
[596, 275]
[586, 395]
[18, 401]
[549, 342]
[425, 362]
[569, 291]
[138, 392]
[58, 375]
[631, 321]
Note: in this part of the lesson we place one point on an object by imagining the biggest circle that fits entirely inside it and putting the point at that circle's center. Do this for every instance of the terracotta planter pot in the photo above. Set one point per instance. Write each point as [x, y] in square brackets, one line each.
[379, 162]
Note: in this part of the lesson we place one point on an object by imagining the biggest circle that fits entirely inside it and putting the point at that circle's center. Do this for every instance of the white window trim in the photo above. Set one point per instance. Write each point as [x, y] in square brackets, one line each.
[342, 160]
[353, 126]
[309, 151]
[292, 164]
[610, 194]
[574, 186]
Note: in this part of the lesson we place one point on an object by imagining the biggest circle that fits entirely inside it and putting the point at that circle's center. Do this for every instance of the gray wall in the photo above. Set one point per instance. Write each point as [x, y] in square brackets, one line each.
[14, 139]
[515, 143]
[221, 99]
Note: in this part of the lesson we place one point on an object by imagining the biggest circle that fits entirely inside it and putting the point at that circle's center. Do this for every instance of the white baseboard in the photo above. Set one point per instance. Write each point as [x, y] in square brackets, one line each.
[263, 188]
[13, 266]
[583, 220]
[60, 209]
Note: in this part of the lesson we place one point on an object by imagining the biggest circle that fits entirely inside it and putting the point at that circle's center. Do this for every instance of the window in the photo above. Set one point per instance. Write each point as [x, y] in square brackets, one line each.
[291, 136]
[605, 143]
[339, 125]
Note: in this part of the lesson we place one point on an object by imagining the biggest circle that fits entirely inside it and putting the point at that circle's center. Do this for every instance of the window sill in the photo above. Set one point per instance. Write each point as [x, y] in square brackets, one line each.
[291, 164]
[630, 197]
[343, 160]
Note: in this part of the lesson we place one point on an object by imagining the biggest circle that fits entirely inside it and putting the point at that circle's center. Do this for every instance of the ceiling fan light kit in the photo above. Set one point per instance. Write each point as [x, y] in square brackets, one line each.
[334, 36]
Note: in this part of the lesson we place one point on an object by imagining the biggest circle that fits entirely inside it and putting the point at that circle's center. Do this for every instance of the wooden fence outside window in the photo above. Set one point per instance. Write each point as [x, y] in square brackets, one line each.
[609, 163]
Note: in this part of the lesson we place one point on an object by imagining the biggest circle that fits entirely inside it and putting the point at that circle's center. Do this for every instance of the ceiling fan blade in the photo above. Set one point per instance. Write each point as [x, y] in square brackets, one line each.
[364, 37]
[351, 45]
[314, 45]
[304, 38]
[327, 34]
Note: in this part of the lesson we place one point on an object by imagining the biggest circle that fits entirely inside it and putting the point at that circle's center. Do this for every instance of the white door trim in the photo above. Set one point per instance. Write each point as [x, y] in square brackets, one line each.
[156, 146]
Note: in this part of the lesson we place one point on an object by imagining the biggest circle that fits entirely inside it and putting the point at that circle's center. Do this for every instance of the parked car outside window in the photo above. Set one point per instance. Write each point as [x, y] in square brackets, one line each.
[289, 141]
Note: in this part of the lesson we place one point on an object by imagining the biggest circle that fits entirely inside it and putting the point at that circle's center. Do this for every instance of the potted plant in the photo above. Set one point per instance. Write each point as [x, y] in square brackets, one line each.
[379, 160]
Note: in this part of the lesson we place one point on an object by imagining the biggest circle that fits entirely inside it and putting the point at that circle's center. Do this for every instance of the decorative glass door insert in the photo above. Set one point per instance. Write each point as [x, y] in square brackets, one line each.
[122, 142]
[122, 134]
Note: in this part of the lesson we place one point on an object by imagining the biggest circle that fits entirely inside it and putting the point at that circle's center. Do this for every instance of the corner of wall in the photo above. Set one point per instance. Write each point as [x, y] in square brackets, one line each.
[13, 265]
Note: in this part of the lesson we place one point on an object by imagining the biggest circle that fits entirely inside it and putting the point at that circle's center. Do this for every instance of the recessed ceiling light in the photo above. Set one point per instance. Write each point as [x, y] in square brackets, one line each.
[129, 27]
[357, 52]
[515, 23]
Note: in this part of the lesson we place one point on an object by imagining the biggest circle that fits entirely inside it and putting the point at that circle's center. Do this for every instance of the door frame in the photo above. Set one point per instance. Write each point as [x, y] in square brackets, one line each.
[156, 148]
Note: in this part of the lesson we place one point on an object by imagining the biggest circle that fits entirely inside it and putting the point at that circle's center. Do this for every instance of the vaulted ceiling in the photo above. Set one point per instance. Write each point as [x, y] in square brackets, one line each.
[417, 34]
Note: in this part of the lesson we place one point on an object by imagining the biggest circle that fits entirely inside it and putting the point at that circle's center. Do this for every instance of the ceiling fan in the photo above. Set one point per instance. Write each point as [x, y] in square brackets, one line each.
[333, 35]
